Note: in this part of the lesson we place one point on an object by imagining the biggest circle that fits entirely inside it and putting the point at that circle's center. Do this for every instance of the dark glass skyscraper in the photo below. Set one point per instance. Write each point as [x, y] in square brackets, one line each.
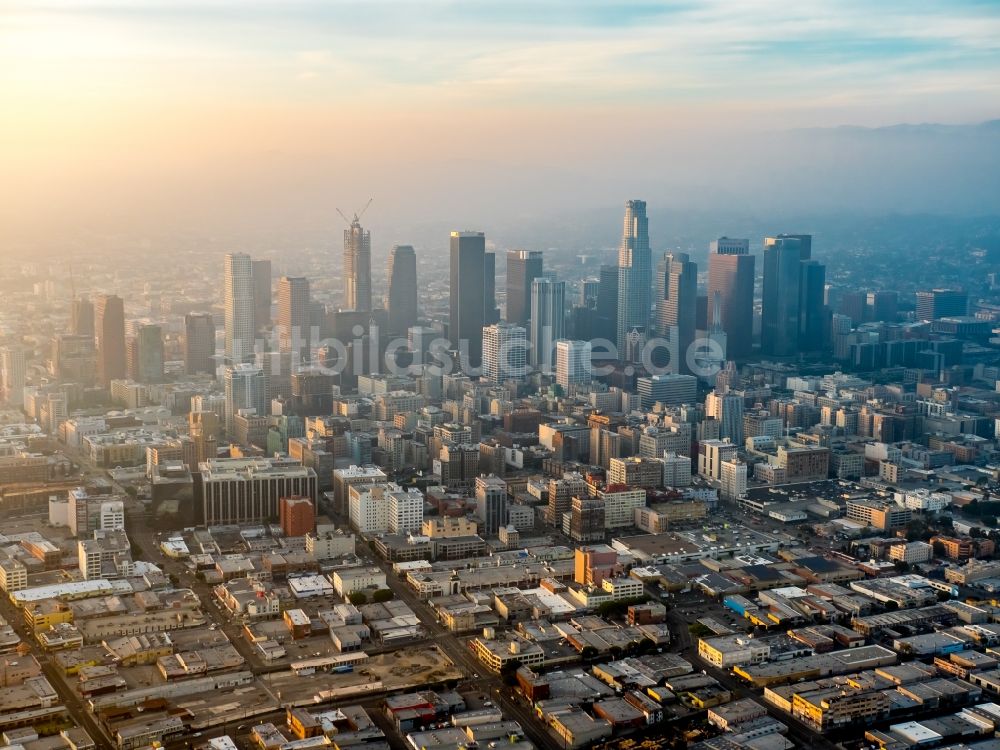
[783, 257]
[82, 317]
[199, 343]
[523, 267]
[731, 275]
[606, 324]
[467, 292]
[401, 300]
[490, 312]
[293, 317]
[261, 272]
[109, 336]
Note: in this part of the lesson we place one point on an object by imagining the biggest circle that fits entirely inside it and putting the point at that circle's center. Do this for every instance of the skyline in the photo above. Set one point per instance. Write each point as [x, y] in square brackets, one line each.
[151, 118]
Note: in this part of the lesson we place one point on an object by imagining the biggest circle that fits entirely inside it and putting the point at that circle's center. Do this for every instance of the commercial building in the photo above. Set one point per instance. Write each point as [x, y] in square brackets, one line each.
[297, 516]
[248, 490]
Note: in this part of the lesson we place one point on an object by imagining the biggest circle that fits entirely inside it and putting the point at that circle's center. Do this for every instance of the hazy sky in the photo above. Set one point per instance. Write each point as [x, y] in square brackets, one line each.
[140, 113]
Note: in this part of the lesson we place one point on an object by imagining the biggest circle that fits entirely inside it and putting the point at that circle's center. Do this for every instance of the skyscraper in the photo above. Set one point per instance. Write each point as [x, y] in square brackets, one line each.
[942, 303]
[783, 256]
[13, 374]
[199, 343]
[402, 296]
[676, 306]
[357, 267]
[491, 503]
[634, 271]
[731, 274]
[145, 354]
[261, 294]
[82, 317]
[491, 314]
[548, 315]
[573, 363]
[466, 312]
[607, 304]
[812, 312]
[505, 350]
[293, 317]
[109, 336]
[239, 303]
[523, 267]
[246, 388]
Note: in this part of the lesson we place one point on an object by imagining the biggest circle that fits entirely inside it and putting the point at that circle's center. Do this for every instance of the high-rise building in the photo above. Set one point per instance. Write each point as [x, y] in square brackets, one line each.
[246, 388]
[491, 314]
[297, 516]
[783, 256]
[883, 306]
[548, 315]
[606, 323]
[249, 490]
[239, 299]
[402, 296]
[942, 303]
[505, 349]
[357, 267]
[676, 305]
[13, 374]
[573, 366]
[261, 272]
[634, 272]
[491, 503]
[145, 354]
[74, 358]
[523, 267]
[728, 409]
[199, 343]
[82, 317]
[671, 390]
[109, 337]
[293, 317]
[812, 312]
[731, 275]
[589, 289]
[466, 316]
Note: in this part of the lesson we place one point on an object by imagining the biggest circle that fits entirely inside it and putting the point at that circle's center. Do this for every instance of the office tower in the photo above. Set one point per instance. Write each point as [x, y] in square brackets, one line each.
[548, 311]
[261, 271]
[74, 358]
[712, 454]
[239, 307]
[589, 289]
[402, 296]
[883, 306]
[728, 410]
[523, 267]
[634, 271]
[82, 317]
[357, 267]
[491, 314]
[199, 343]
[671, 390]
[293, 317]
[145, 354]
[812, 313]
[677, 294]
[109, 338]
[731, 275]
[853, 304]
[13, 374]
[491, 504]
[466, 312]
[783, 257]
[246, 388]
[607, 304]
[573, 363]
[505, 349]
[245, 491]
[733, 479]
[942, 303]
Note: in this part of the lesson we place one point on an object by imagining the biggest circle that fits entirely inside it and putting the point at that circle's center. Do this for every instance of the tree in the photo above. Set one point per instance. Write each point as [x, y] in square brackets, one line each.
[382, 595]
[588, 653]
[357, 598]
[645, 646]
[615, 652]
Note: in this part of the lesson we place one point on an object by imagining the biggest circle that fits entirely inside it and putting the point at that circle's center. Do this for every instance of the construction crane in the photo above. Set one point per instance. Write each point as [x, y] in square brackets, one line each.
[357, 214]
